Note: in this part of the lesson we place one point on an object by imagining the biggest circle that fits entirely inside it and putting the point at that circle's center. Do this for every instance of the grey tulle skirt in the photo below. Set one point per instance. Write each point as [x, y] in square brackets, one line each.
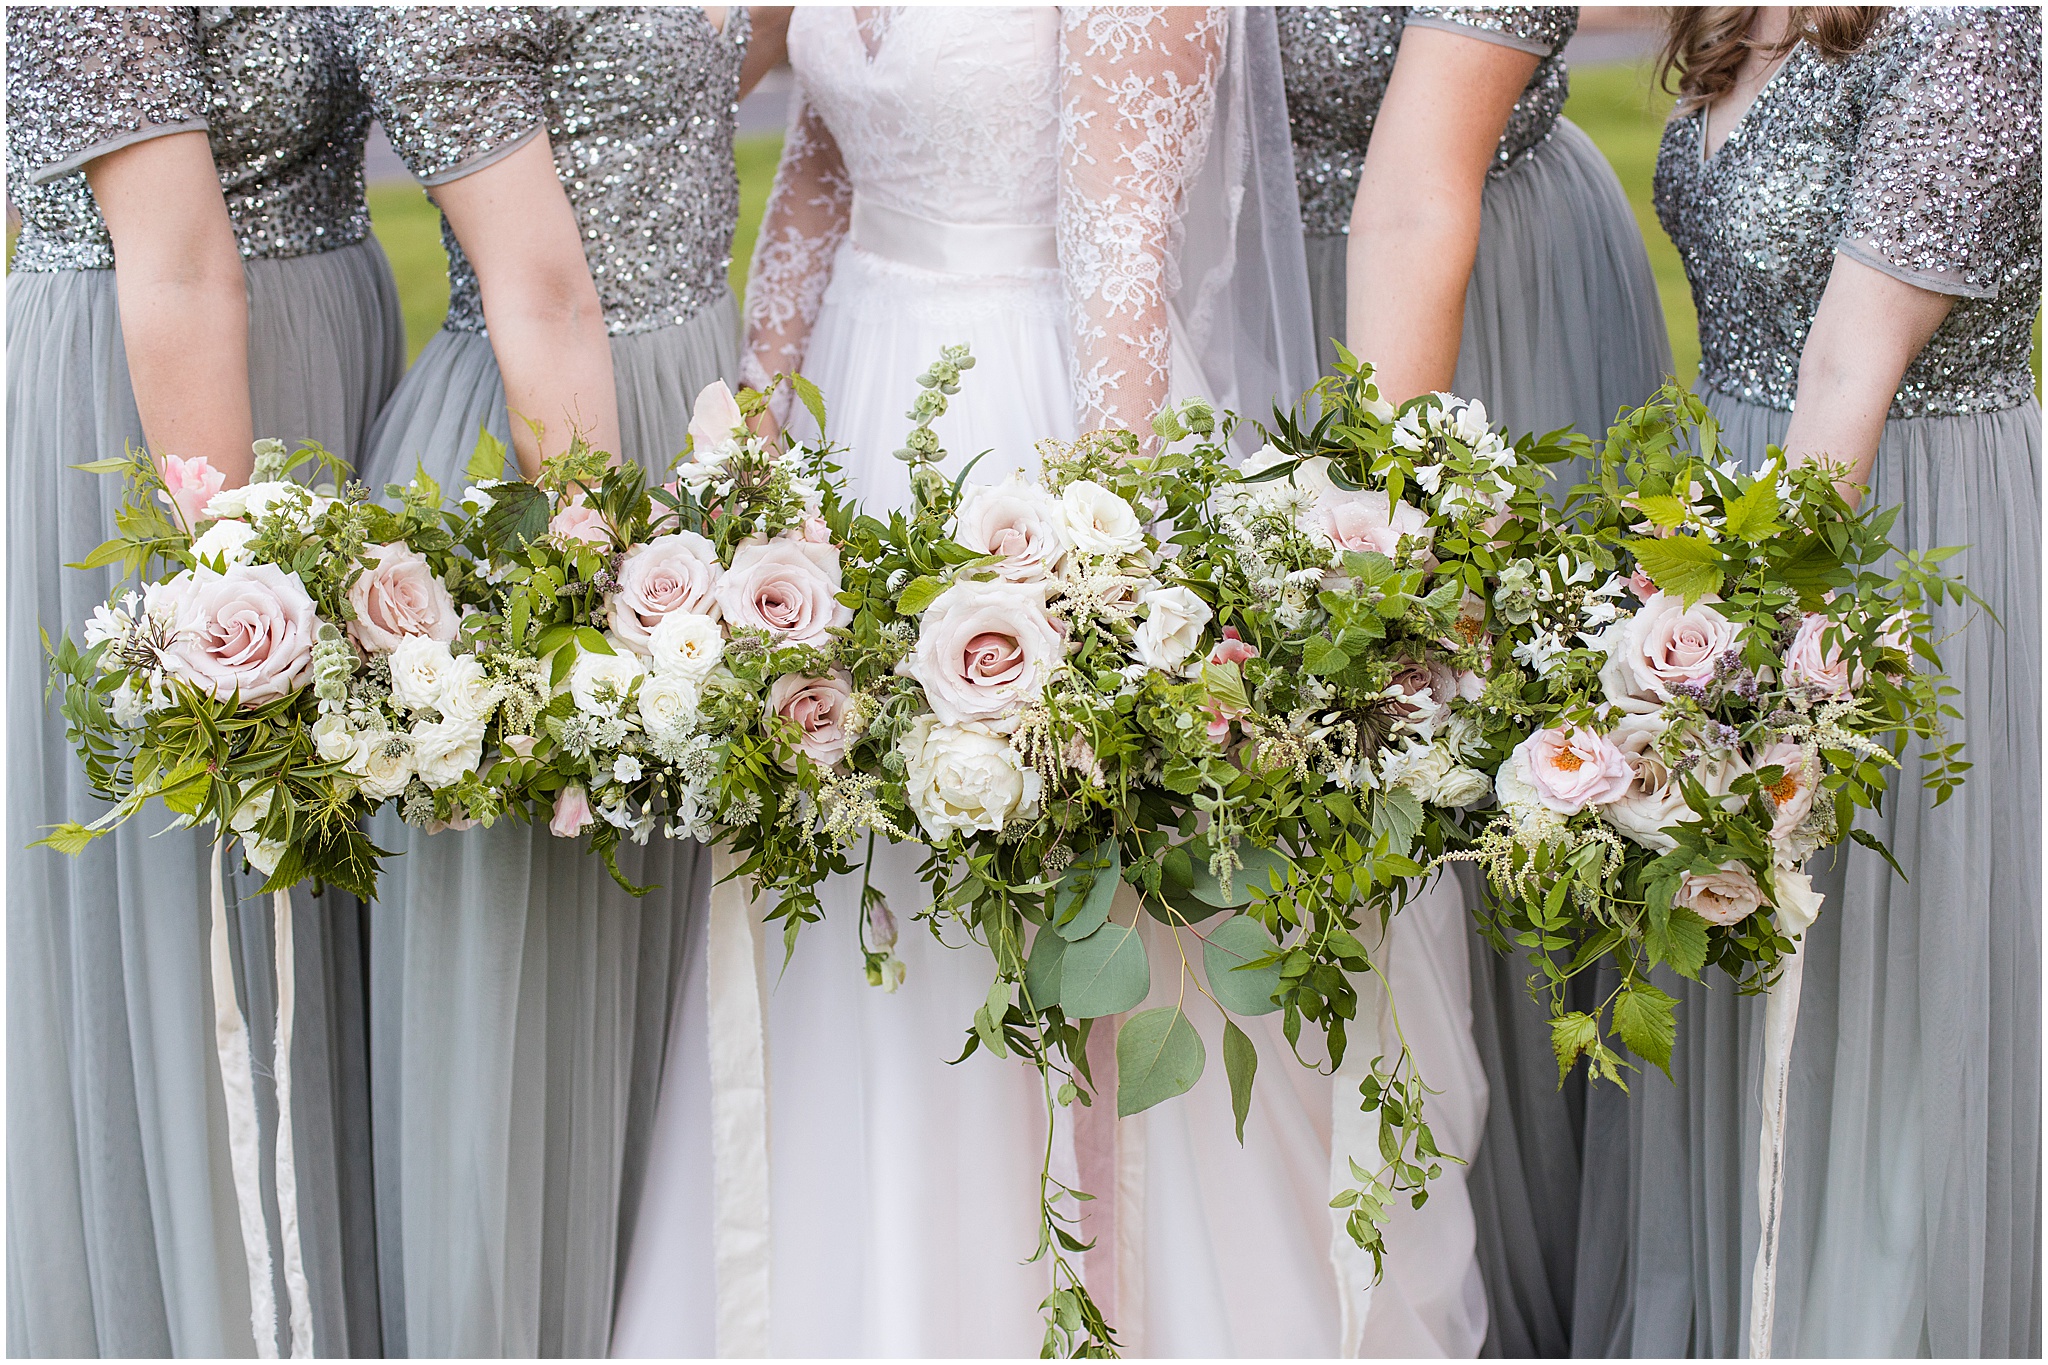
[1913, 1128]
[122, 1232]
[1562, 329]
[521, 1000]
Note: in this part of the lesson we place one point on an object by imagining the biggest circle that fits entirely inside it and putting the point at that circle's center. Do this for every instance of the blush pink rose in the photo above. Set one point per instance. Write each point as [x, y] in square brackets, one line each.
[1668, 643]
[1364, 521]
[397, 597]
[1642, 585]
[248, 631]
[671, 573]
[1232, 649]
[817, 707]
[190, 484]
[1807, 662]
[578, 520]
[985, 650]
[1792, 794]
[787, 585]
[572, 812]
[1570, 770]
[715, 418]
[1018, 520]
[1727, 896]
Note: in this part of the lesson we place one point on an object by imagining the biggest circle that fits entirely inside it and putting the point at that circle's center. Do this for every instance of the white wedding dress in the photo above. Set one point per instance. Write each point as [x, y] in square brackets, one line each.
[1059, 191]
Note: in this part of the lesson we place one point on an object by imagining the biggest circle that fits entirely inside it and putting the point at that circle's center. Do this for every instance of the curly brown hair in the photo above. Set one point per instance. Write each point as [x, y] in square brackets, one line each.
[1704, 45]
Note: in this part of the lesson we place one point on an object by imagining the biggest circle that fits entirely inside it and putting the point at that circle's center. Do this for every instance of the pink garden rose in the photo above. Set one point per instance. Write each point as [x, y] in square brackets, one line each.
[396, 597]
[1655, 800]
[1573, 769]
[1642, 585]
[191, 484]
[817, 707]
[1723, 897]
[787, 585]
[671, 573]
[1806, 662]
[1668, 643]
[1792, 794]
[249, 630]
[578, 520]
[572, 812]
[985, 650]
[1018, 520]
[1364, 521]
[1232, 649]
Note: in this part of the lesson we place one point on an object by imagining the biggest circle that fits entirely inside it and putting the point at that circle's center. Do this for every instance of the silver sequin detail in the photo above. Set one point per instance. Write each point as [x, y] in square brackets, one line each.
[274, 86]
[639, 105]
[1337, 60]
[1919, 155]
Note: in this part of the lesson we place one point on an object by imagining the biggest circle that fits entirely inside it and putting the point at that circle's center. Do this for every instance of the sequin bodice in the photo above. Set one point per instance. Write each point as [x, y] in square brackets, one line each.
[1919, 156]
[274, 87]
[1337, 60]
[638, 104]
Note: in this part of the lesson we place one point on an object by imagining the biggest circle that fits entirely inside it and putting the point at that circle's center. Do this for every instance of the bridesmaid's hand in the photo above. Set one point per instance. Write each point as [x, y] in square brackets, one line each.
[184, 304]
[1868, 329]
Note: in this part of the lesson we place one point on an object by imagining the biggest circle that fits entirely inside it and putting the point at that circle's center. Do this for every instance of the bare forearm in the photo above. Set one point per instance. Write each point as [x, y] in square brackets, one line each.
[1404, 290]
[557, 371]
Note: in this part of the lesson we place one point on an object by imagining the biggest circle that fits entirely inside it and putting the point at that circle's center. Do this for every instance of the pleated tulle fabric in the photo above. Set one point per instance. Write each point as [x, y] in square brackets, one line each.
[123, 1237]
[1912, 1192]
[520, 1000]
[1562, 328]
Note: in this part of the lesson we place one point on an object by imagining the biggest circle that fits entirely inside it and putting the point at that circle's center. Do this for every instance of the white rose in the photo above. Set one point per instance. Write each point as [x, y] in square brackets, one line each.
[599, 682]
[1172, 629]
[965, 778]
[251, 812]
[466, 694]
[686, 646]
[419, 668]
[1797, 902]
[668, 704]
[225, 540]
[447, 751]
[263, 854]
[1100, 522]
[1463, 787]
[332, 739]
[383, 760]
[1417, 766]
[256, 500]
[1018, 520]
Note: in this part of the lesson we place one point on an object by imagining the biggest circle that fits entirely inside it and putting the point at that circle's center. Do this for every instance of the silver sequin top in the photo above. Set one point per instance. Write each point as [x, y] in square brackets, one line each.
[1337, 60]
[1920, 156]
[274, 88]
[638, 103]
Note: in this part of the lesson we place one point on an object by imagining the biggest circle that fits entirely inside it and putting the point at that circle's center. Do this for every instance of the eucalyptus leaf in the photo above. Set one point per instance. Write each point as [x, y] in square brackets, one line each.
[1238, 988]
[1042, 969]
[1081, 900]
[1158, 1055]
[1240, 1064]
[1104, 973]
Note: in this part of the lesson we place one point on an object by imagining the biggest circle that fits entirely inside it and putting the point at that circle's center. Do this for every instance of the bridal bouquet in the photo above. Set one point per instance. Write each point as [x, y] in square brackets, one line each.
[681, 639]
[302, 662]
[1719, 671]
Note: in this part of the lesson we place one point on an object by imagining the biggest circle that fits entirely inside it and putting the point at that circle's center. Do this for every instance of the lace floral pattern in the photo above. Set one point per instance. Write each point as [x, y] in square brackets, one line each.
[806, 218]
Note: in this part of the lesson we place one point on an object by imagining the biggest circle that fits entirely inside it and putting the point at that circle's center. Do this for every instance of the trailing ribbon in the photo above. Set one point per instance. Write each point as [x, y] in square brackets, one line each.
[738, 1039]
[1781, 1017]
[237, 1076]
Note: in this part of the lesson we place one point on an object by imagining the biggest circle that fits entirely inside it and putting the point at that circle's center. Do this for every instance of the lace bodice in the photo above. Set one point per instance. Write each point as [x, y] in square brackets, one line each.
[1089, 124]
[274, 87]
[638, 103]
[1338, 59]
[1919, 155]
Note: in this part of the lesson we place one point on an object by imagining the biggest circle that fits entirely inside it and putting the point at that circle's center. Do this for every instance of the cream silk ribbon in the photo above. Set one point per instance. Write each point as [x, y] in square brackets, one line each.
[1781, 1018]
[738, 1039]
[231, 1046]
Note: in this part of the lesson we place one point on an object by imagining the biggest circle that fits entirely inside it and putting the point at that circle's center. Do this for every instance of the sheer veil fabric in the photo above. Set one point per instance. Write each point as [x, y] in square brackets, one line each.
[1100, 205]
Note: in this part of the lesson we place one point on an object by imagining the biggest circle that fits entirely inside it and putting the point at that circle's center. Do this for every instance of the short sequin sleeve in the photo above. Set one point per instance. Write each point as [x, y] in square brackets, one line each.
[1541, 30]
[457, 88]
[1948, 164]
[84, 81]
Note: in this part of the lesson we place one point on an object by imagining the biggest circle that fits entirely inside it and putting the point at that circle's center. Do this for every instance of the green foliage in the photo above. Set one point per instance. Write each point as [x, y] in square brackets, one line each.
[1158, 1055]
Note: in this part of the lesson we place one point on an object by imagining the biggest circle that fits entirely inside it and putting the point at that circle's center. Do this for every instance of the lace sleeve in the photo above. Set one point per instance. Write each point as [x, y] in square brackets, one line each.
[1137, 95]
[456, 88]
[1947, 175]
[1540, 30]
[808, 210]
[95, 78]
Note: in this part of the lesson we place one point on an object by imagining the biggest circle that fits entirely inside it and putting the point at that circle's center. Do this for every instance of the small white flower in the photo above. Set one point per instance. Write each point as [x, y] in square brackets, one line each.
[687, 646]
[1174, 620]
[420, 667]
[383, 760]
[332, 739]
[1429, 477]
[599, 682]
[466, 694]
[668, 704]
[225, 542]
[447, 751]
[478, 495]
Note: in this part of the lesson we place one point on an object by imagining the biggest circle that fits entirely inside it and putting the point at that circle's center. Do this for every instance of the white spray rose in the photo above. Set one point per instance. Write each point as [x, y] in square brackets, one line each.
[383, 761]
[1172, 629]
[668, 704]
[447, 751]
[1100, 522]
[599, 682]
[227, 541]
[686, 646]
[965, 778]
[467, 695]
[332, 739]
[420, 667]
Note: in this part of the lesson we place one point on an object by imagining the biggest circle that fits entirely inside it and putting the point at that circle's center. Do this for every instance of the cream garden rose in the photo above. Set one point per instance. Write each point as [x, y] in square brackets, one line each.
[599, 682]
[1807, 662]
[788, 586]
[1570, 770]
[397, 596]
[985, 650]
[668, 704]
[1668, 644]
[678, 572]
[1727, 896]
[446, 751]
[227, 541]
[1101, 523]
[687, 646]
[1369, 521]
[1018, 520]
[965, 778]
[1654, 799]
[1172, 629]
[420, 667]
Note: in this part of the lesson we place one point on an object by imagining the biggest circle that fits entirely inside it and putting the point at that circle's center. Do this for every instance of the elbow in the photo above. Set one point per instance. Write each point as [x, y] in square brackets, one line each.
[560, 301]
[1407, 218]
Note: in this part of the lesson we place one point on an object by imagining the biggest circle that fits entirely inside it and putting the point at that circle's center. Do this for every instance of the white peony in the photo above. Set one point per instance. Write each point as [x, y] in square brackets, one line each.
[226, 541]
[1100, 522]
[668, 704]
[965, 778]
[419, 668]
[599, 682]
[1172, 629]
[686, 646]
[447, 751]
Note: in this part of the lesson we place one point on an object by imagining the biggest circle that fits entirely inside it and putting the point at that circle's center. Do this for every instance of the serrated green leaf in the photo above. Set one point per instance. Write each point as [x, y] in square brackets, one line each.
[1643, 1016]
[113, 464]
[1662, 509]
[1238, 988]
[69, 837]
[1321, 656]
[1685, 942]
[813, 401]
[1240, 1064]
[1158, 1055]
[518, 517]
[1753, 515]
[1687, 566]
[1104, 973]
[1570, 1035]
[487, 461]
[918, 594]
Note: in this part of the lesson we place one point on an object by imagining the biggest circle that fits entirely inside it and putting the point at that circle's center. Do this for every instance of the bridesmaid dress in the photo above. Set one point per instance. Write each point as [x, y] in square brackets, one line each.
[122, 1233]
[1911, 1220]
[520, 1001]
[1562, 328]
